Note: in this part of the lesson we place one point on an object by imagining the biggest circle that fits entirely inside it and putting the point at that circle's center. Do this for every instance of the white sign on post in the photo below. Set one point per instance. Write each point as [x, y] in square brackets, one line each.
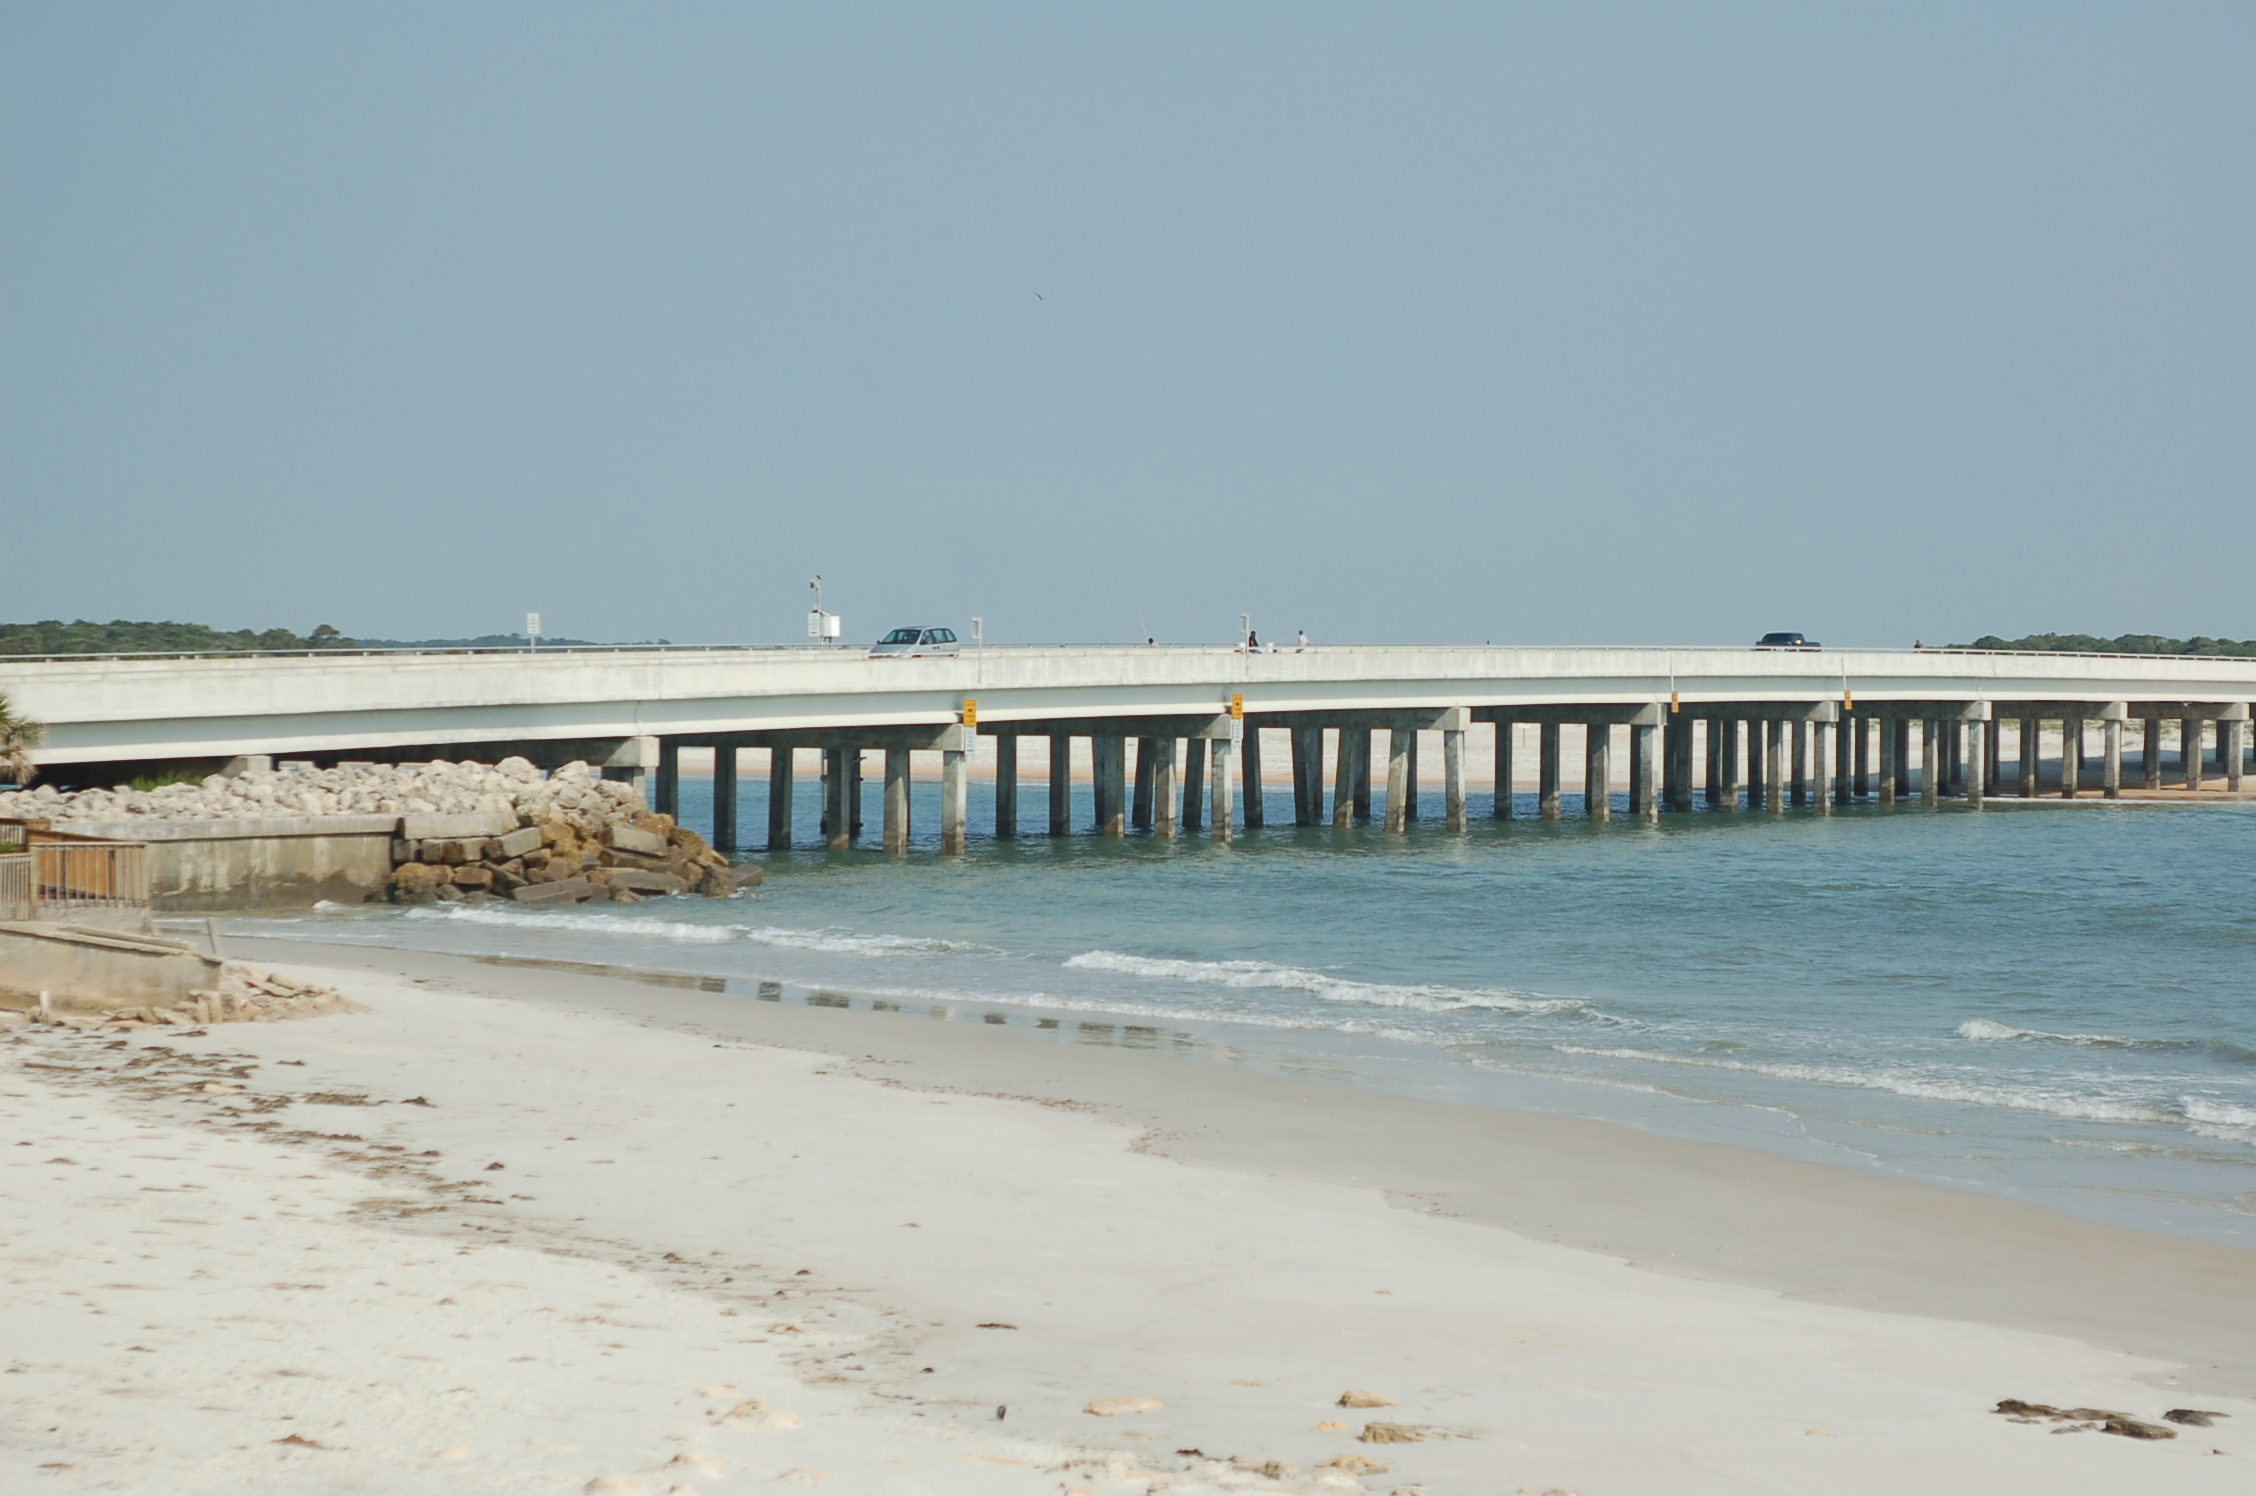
[532, 630]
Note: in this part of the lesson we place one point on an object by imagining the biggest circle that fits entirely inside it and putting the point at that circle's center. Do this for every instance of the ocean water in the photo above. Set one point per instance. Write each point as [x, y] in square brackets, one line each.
[2049, 1001]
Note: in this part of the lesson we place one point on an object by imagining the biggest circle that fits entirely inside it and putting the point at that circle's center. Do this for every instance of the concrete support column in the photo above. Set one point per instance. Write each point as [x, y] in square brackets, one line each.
[1977, 762]
[1715, 776]
[2150, 758]
[1194, 784]
[854, 794]
[1891, 749]
[1410, 800]
[1502, 807]
[2189, 751]
[724, 796]
[1991, 757]
[1644, 772]
[1006, 787]
[1843, 760]
[1225, 813]
[1931, 762]
[2111, 770]
[1779, 739]
[1249, 777]
[1110, 754]
[1867, 728]
[1453, 778]
[1678, 794]
[2071, 758]
[665, 796]
[2235, 735]
[1140, 807]
[1954, 756]
[779, 799]
[1061, 784]
[838, 804]
[1399, 750]
[2031, 739]
[1798, 781]
[1598, 771]
[1821, 767]
[1758, 764]
[1343, 780]
[833, 794]
[896, 818]
[1735, 756]
[954, 800]
[1308, 776]
[1363, 775]
[1547, 772]
[1164, 805]
[1903, 729]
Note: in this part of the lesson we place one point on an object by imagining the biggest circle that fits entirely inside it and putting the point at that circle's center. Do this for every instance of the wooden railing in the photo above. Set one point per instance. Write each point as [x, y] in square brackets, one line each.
[15, 886]
[54, 874]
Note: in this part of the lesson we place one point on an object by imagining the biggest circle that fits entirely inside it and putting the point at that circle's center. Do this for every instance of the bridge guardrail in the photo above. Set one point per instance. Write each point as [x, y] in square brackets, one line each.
[1224, 647]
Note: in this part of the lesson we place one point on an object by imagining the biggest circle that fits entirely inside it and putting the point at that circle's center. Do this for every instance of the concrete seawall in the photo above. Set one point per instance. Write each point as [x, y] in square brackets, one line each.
[276, 863]
[86, 969]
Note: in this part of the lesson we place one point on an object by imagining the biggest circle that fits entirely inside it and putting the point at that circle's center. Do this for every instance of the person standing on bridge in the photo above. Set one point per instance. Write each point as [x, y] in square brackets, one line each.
[1303, 644]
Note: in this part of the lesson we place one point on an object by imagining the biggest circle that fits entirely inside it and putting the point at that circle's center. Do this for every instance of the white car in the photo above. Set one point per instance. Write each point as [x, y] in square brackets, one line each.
[917, 641]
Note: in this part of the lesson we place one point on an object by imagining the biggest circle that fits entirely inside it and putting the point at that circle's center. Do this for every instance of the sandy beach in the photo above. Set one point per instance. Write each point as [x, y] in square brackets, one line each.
[539, 1230]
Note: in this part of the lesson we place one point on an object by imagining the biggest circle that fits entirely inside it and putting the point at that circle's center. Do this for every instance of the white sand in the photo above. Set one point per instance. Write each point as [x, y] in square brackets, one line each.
[186, 1291]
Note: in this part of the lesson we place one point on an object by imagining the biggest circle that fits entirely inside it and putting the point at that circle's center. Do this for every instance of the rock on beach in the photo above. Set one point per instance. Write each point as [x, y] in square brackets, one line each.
[566, 837]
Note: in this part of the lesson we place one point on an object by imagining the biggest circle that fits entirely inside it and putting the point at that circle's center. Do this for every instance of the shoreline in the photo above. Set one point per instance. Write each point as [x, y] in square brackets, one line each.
[526, 1228]
[1828, 1234]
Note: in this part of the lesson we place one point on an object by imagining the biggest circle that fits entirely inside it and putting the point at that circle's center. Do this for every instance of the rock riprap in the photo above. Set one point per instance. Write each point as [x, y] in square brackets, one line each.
[469, 831]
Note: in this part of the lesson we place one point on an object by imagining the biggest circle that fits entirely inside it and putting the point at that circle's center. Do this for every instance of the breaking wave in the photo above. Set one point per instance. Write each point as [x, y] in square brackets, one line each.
[1419, 996]
[2219, 1119]
[1985, 1030]
[2053, 1103]
[623, 926]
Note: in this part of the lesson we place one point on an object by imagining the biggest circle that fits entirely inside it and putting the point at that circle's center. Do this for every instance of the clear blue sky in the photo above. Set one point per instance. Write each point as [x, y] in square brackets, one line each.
[1669, 323]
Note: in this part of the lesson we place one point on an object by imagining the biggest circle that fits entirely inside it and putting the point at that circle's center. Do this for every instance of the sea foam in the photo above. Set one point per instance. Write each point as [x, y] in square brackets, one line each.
[1422, 997]
[1971, 1092]
[624, 926]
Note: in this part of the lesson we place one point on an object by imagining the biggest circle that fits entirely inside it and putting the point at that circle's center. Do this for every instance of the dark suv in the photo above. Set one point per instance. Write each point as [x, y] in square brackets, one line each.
[1786, 641]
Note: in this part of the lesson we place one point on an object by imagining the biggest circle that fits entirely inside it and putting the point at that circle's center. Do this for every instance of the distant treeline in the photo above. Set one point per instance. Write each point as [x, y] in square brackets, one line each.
[2141, 644]
[122, 636]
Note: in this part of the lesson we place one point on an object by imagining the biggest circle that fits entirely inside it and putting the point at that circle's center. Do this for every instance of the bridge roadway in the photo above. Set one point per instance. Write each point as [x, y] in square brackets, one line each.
[1784, 727]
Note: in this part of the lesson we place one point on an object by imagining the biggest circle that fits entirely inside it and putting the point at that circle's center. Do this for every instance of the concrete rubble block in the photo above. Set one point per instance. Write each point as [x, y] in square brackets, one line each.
[634, 880]
[564, 891]
[416, 883]
[634, 839]
[516, 844]
[475, 875]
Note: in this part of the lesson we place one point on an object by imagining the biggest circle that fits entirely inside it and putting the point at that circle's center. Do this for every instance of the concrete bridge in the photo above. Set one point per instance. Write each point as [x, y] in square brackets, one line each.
[1777, 728]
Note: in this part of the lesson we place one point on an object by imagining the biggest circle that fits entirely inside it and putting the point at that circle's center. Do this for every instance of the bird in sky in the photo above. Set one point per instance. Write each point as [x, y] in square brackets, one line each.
[1038, 296]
